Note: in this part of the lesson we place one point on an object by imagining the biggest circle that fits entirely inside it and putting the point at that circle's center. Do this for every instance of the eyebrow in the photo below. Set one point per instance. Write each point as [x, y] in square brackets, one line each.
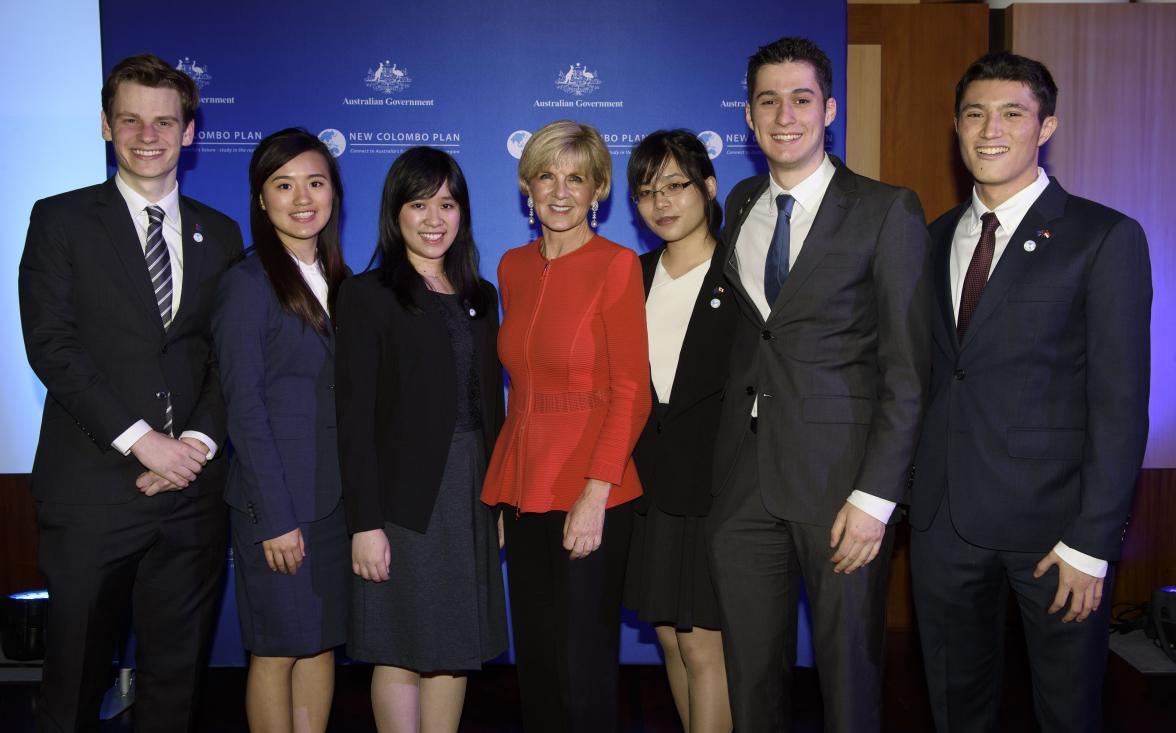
[774, 93]
[1005, 105]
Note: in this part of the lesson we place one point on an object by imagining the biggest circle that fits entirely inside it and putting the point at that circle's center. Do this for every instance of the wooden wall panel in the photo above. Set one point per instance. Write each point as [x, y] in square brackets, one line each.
[863, 92]
[1149, 550]
[18, 536]
[1116, 74]
[925, 49]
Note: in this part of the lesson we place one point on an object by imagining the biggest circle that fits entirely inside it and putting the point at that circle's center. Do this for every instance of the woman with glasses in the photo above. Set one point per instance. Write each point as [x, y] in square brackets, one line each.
[573, 342]
[691, 316]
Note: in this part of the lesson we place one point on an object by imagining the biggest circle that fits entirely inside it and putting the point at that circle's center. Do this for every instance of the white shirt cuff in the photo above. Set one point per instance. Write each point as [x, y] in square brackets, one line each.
[130, 436]
[876, 507]
[207, 441]
[1082, 561]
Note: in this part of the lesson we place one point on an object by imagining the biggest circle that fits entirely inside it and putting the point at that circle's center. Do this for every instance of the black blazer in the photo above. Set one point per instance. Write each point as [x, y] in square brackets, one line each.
[1038, 421]
[94, 337]
[675, 453]
[841, 364]
[278, 376]
[396, 401]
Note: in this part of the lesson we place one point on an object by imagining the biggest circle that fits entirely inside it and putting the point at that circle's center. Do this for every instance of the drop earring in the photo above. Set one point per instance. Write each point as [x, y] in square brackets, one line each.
[530, 210]
[595, 207]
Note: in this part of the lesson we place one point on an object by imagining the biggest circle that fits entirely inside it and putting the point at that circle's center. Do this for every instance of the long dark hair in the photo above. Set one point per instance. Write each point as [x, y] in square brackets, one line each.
[683, 146]
[418, 174]
[294, 295]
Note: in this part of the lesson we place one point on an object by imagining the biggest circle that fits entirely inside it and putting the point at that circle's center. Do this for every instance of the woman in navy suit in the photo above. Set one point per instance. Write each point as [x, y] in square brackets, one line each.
[690, 321]
[273, 333]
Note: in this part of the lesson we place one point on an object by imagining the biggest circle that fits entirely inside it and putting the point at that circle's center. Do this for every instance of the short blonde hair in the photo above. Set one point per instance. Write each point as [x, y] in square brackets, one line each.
[561, 139]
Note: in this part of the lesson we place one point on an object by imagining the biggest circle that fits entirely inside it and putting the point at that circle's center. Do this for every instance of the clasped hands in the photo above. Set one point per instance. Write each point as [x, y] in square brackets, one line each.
[171, 463]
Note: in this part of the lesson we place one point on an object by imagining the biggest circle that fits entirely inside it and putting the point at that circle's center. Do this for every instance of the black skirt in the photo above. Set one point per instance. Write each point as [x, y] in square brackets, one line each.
[669, 579]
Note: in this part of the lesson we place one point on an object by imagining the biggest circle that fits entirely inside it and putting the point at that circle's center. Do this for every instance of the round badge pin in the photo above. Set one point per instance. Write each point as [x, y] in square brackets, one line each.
[473, 313]
[715, 303]
[1030, 245]
[197, 237]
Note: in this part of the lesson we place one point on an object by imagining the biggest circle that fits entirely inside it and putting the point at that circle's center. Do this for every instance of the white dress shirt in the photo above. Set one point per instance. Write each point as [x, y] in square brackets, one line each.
[963, 245]
[314, 278]
[667, 312]
[172, 236]
[751, 249]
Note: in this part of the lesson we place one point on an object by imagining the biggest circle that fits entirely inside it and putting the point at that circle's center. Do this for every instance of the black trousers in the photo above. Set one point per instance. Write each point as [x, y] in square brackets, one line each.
[566, 618]
[758, 562]
[961, 595]
[161, 556]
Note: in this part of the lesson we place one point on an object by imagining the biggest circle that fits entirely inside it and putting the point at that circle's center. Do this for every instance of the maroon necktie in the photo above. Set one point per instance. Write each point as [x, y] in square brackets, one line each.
[977, 272]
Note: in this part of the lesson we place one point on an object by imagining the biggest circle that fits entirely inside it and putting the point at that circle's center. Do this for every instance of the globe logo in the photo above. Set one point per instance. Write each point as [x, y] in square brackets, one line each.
[712, 142]
[515, 143]
[335, 141]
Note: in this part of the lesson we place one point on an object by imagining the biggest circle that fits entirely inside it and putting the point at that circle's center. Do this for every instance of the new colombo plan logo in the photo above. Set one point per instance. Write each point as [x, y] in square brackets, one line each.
[335, 141]
[577, 80]
[387, 77]
[193, 69]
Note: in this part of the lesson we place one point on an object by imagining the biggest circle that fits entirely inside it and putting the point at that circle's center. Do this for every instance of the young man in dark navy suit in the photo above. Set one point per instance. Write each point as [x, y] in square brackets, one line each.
[1038, 419]
[116, 286]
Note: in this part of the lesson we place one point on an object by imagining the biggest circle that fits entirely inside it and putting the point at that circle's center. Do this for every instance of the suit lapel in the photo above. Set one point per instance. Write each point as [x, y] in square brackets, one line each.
[731, 260]
[696, 357]
[945, 331]
[194, 258]
[1048, 207]
[124, 239]
[840, 197]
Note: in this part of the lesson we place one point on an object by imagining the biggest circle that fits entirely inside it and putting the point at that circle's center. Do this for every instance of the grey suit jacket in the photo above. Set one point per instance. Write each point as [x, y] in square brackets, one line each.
[841, 364]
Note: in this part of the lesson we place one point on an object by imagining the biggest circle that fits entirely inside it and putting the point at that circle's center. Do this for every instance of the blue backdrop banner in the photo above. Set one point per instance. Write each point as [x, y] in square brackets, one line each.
[474, 78]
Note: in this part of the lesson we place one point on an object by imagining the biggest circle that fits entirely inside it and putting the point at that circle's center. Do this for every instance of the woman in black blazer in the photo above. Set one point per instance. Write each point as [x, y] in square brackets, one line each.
[691, 318]
[274, 342]
[420, 403]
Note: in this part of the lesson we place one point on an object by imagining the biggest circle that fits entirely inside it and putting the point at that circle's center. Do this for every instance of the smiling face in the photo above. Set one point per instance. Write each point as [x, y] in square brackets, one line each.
[1000, 134]
[298, 200]
[563, 191]
[147, 129]
[680, 210]
[789, 117]
[429, 226]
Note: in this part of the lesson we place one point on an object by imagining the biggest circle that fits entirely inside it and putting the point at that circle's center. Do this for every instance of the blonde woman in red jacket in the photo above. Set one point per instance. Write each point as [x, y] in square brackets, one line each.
[573, 342]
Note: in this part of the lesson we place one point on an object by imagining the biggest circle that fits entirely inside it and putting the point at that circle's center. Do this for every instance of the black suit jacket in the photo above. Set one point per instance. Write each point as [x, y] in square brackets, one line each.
[397, 404]
[675, 453]
[94, 337]
[1038, 421]
[278, 375]
[841, 364]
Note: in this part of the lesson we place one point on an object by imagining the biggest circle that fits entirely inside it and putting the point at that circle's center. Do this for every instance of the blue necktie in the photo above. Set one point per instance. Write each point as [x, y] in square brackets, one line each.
[159, 267]
[776, 265]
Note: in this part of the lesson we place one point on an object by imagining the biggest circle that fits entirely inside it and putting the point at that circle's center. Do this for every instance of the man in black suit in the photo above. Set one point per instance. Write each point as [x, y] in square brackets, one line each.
[116, 285]
[828, 376]
[1037, 422]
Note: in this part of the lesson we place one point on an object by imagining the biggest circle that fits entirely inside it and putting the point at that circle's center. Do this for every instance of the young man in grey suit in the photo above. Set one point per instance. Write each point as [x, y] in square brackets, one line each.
[116, 286]
[821, 413]
[1037, 422]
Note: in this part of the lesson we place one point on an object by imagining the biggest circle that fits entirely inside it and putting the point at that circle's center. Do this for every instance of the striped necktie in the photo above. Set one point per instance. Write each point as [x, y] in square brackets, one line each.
[159, 267]
[159, 264]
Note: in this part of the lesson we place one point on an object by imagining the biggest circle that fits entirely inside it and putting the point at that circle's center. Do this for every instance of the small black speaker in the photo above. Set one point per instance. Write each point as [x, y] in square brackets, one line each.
[23, 635]
[1163, 619]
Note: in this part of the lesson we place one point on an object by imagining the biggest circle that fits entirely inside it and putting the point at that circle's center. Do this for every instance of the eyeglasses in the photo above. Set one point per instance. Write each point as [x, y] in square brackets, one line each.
[669, 191]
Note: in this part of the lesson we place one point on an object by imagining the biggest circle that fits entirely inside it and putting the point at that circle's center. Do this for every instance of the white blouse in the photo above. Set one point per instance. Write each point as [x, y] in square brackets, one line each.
[315, 280]
[667, 314]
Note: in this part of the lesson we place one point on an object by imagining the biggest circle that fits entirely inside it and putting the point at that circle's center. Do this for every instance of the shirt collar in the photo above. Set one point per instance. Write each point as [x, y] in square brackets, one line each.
[137, 202]
[1011, 212]
[809, 192]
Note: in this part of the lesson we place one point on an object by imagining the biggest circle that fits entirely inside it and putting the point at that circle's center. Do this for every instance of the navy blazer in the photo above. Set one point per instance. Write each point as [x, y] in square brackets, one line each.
[1037, 422]
[94, 337]
[675, 453]
[398, 401]
[278, 377]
